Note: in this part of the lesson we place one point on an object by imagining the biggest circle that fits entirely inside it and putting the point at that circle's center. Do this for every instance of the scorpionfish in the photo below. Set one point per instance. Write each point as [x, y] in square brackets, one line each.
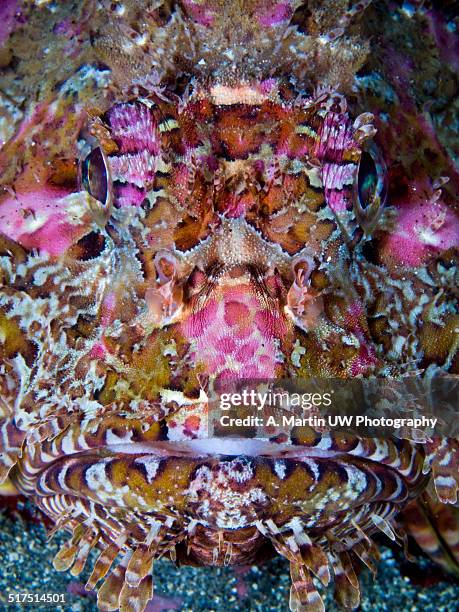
[223, 225]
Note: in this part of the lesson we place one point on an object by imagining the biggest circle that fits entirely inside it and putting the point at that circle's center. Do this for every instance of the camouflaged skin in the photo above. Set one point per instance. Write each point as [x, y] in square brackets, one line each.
[215, 235]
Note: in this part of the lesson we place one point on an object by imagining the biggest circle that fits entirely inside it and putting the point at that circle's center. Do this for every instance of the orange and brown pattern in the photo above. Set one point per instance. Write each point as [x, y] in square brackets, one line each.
[223, 215]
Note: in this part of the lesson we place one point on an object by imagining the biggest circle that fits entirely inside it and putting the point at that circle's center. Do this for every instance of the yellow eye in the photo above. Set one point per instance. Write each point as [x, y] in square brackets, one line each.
[95, 177]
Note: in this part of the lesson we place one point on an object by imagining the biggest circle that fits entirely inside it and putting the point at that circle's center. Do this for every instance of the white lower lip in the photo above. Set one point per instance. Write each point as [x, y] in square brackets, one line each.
[220, 446]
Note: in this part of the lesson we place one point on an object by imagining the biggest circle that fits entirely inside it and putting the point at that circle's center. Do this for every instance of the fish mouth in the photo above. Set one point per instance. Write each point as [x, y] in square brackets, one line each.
[110, 439]
[223, 484]
[400, 460]
[228, 447]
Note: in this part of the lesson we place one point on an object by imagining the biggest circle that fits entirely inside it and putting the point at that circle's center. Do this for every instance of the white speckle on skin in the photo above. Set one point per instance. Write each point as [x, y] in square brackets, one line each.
[279, 469]
[297, 353]
[96, 477]
[151, 465]
[313, 467]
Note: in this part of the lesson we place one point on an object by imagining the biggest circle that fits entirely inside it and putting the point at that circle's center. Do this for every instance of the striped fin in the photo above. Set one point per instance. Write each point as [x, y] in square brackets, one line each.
[60, 523]
[303, 594]
[303, 556]
[347, 589]
[66, 556]
[298, 548]
[135, 598]
[270, 531]
[442, 458]
[7, 461]
[435, 527]
[133, 127]
[383, 526]
[311, 554]
[50, 429]
[11, 440]
[140, 565]
[86, 544]
[104, 561]
[368, 553]
[108, 594]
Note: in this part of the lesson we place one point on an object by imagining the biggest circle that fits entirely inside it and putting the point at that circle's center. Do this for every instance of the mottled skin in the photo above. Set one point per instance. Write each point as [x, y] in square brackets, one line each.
[229, 243]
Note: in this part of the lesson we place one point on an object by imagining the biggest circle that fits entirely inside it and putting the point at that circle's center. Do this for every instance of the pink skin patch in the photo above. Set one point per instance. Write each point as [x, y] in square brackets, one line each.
[199, 12]
[226, 345]
[197, 323]
[129, 195]
[279, 13]
[237, 206]
[235, 334]
[267, 86]
[236, 313]
[422, 230]
[98, 351]
[108, 309]
[38, 220]
[246, 352]
[8, 10]
[336, 200]
[365, 360]
[134, 128]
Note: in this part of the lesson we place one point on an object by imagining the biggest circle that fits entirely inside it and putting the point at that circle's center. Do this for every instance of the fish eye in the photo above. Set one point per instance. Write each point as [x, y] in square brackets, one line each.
[95, 177]
[370, 187]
